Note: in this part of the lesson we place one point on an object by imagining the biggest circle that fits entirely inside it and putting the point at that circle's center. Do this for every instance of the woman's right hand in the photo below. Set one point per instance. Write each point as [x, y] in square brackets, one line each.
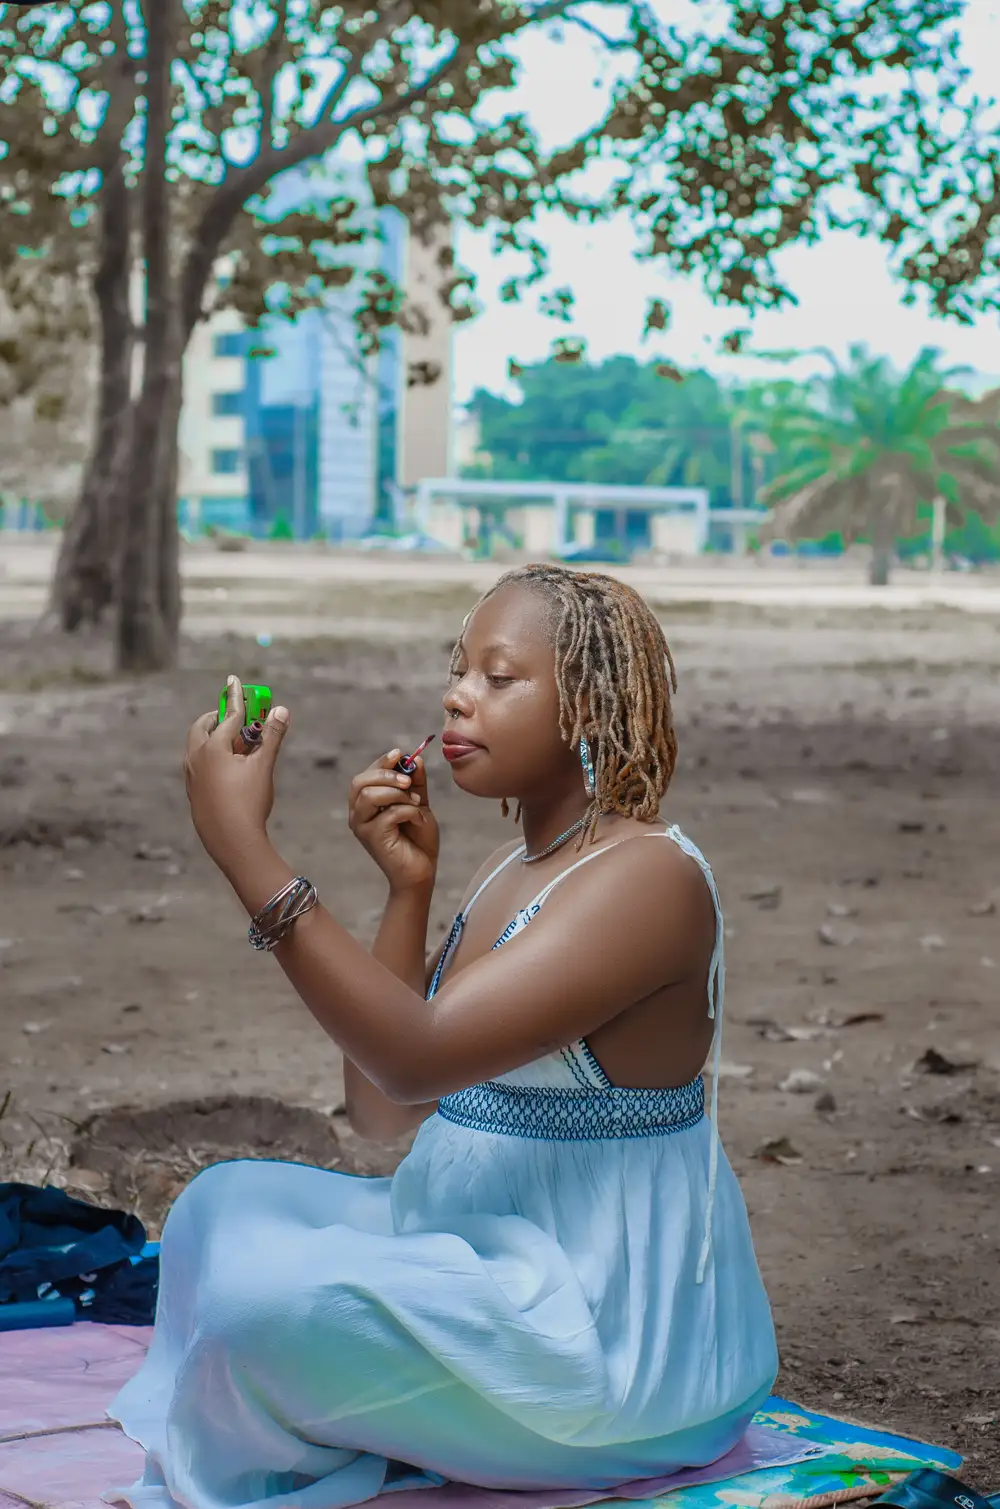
[390, 816]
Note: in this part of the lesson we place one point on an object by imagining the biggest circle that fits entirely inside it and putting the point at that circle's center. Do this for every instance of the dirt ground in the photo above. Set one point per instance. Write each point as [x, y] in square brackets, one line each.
[838, 765]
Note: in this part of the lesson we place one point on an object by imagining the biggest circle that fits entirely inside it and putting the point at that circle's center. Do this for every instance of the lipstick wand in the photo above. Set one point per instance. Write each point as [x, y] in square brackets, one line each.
[407, 764]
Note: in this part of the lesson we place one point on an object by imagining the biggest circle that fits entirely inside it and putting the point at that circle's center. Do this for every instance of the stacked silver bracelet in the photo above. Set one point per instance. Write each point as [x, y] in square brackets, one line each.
[298, 897]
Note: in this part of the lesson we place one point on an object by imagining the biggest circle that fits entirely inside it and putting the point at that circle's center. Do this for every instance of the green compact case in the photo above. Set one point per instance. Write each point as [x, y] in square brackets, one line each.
[256, 700]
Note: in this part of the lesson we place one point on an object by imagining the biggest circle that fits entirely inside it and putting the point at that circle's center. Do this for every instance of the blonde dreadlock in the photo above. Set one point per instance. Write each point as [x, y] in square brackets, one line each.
[612, 653]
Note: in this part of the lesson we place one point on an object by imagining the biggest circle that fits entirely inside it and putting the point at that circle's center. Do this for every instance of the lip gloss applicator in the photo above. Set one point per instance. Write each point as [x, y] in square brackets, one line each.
[407, 764]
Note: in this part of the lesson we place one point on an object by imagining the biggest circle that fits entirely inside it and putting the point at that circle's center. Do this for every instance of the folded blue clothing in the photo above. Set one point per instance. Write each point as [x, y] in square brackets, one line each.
[62, 1259]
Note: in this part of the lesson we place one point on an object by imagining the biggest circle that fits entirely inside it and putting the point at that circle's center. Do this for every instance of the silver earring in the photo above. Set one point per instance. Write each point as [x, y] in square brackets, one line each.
[588, 767]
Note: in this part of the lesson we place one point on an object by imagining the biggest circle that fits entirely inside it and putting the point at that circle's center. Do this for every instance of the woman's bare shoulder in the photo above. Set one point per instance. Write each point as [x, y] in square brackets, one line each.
[637, 921]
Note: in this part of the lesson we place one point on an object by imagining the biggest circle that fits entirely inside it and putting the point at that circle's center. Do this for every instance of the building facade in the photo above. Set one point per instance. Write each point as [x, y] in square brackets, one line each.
[213, 479]
[288, 429]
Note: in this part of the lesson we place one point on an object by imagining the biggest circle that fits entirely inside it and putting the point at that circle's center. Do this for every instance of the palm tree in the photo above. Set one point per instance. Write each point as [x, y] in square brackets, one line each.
[862, 447]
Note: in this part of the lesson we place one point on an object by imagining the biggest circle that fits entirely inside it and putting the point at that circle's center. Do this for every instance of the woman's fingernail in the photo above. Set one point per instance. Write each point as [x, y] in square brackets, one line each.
[231, 681]
[280, 715]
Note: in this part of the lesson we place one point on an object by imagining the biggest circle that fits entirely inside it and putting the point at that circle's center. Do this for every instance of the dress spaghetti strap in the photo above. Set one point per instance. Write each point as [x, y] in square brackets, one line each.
[491, 876]
[459, 922]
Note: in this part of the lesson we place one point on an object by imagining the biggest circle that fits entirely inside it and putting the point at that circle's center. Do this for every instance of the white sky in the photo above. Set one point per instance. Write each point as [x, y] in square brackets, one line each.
[843, 287]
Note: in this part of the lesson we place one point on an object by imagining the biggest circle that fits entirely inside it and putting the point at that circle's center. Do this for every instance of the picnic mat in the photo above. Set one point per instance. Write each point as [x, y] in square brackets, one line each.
[57, 1450]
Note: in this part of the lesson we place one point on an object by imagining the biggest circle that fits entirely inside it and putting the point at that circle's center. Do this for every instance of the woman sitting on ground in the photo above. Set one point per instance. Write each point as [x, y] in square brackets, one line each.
[557, 1288]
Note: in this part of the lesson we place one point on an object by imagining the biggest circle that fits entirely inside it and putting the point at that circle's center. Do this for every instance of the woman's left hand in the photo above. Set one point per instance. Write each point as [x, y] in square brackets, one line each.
[231, 790]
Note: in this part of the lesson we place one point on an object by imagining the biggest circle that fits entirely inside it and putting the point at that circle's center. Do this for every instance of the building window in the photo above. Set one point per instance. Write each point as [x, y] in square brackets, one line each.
[225, 463]
[229, 343]
[225, 405]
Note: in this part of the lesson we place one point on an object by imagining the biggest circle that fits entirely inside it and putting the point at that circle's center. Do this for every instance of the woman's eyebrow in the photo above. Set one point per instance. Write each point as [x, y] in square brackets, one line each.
[495, 647]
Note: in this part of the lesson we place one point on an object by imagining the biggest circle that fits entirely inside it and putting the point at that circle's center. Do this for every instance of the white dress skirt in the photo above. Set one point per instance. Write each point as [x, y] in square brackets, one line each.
[556, 1289]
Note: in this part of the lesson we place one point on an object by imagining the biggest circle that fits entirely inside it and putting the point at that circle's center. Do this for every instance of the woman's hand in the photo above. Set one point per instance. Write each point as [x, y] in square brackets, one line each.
[390, 816]
[230, 786]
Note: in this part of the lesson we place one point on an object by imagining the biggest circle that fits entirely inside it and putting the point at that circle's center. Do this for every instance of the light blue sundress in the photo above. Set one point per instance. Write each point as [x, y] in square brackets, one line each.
[556, 1289]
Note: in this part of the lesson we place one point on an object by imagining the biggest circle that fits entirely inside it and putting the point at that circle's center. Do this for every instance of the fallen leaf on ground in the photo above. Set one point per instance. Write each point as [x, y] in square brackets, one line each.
[933, 1062]
[154, 852]
[941, 1115]
[86, 1179]
[777, 1150]
[775, 1032]
[767, 900]
[801, 1082]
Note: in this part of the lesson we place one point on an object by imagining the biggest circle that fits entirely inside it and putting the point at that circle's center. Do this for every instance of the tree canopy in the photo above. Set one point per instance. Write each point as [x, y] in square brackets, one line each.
[617, 421]
[864, 447]
[792, 117]
[153, 138]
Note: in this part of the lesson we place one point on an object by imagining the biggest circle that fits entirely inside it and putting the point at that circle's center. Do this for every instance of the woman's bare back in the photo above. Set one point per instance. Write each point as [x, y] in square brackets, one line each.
[659, 1042]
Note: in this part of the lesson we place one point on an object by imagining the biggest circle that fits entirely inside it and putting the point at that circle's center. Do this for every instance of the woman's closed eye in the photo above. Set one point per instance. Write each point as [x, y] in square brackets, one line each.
[494, 679]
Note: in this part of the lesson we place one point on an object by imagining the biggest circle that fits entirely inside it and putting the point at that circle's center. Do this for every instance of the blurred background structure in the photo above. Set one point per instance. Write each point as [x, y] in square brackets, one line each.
[289, 431]
[240, 320]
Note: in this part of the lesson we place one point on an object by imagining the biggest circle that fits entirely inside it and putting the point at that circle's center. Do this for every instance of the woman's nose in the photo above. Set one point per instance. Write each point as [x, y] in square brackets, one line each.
[457, 702]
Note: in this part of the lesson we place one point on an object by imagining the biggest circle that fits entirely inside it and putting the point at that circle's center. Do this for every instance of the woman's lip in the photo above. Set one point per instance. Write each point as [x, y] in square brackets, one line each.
[456, 751]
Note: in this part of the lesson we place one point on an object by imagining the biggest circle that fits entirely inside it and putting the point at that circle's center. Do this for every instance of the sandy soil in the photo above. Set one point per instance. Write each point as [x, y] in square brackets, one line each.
[839, 765]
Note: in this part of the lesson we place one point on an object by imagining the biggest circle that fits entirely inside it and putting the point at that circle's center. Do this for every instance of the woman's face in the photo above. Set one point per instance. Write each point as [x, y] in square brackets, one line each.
[501, 734]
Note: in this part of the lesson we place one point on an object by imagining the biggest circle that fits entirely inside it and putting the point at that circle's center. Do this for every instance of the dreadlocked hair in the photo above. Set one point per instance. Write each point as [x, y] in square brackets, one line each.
[611, 656]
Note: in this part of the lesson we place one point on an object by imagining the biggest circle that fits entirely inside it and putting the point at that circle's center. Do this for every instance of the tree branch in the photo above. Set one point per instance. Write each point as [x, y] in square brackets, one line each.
[272, 67]
[326, 130]
[613, 44]
[356, 58]
[242, 185]
[119, 70]
[559, 10]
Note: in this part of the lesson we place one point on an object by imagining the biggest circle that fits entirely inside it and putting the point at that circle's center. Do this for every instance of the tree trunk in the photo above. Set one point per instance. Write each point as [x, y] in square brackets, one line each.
[147, 636]
[146, 633]
[879, 567]
[883, 543]
[169, 572]
[85, 581]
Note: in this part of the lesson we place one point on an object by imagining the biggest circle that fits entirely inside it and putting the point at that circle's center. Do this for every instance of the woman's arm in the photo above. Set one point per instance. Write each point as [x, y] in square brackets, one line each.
[400, 945]
[636, 920]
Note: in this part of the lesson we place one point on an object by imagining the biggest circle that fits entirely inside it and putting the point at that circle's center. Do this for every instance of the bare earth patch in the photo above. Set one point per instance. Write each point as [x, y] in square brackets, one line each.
[838, 766]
